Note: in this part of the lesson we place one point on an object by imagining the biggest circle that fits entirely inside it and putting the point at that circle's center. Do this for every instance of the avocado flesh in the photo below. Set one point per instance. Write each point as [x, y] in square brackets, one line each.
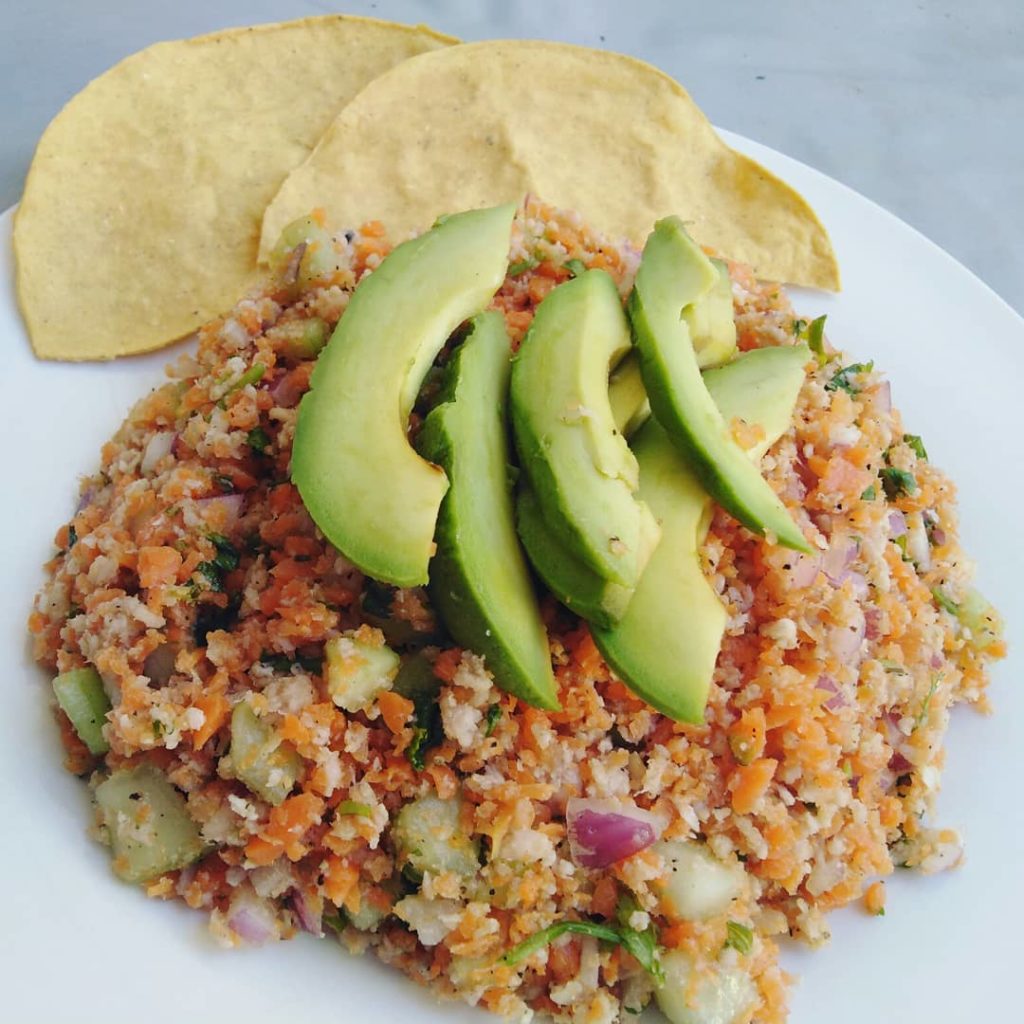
[578, 464]
[373, 497]
[666, 645]
[575, 584]
[678, 396]
[713, 333]
[479, 580]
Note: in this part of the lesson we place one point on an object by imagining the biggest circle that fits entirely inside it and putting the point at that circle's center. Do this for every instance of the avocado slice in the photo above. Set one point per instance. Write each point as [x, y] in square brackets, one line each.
[713, 333]
[578, 464]
[373, 497]
[479, 581]
[680, 400]
[666, 645]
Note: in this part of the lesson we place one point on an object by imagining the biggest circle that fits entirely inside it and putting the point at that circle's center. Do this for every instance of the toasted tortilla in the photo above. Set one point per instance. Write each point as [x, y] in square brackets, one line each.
[141, 214]
[597, 132]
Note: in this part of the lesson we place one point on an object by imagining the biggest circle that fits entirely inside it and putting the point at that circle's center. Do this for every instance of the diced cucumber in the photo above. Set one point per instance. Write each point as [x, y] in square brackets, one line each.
[721, 995]
[428, 836]
[360, 667]
[984, 622]
[368, 917]
[696, 885]
[148, 823]
[82, 698]
[302, 339]
[259, 757]
[317, 260]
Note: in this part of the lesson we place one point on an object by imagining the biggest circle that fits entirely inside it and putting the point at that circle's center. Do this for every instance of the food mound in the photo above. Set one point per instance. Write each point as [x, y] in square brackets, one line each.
[289, 745]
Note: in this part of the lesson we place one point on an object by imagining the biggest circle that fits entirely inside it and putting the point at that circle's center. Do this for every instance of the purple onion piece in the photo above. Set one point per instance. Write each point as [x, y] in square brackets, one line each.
[602, 832]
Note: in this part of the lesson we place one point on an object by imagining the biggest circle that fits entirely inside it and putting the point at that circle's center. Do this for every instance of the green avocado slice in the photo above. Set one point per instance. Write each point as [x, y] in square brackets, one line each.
[576, 461]
[479, 581]
[678, 396]
[713, 333]
[666, 645]
[373, 497]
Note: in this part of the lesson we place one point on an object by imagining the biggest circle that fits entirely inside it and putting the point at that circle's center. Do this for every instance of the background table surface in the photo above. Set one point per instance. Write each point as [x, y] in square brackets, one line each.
[919, 105]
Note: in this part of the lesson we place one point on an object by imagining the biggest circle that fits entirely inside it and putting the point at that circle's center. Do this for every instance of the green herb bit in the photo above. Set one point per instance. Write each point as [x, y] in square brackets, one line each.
[258, 439]
[923, 713]
[901, 543]
[642, 946]
[336, 922]
[212, 572]
[72, 536]
[224, 483]
[944, 602]
[880, 912]
[892, 666]
[227, 554]
[575, 267]
[841, 379]
[493, 717]
[799, 326]
[869, 493]
[914, 442]
[897, 482]
[816, 339]
[546, 936]
[251, 376]
[740, 937]
[354, 807]
[522, 266]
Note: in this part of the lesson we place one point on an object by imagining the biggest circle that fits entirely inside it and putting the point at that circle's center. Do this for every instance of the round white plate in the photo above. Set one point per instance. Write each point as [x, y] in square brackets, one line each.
[78, 945]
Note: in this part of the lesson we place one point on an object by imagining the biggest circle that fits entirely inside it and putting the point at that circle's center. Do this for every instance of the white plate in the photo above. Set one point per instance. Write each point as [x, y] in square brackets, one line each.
[77, 944]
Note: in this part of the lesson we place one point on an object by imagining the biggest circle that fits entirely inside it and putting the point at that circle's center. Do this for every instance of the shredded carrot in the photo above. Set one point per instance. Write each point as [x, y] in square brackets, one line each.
[874, 899]
[215, 709]
[395, 709]
[748, 783]
[158, 565]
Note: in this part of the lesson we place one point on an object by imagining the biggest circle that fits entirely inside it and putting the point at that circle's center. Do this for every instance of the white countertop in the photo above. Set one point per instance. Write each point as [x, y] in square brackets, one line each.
[917, 104]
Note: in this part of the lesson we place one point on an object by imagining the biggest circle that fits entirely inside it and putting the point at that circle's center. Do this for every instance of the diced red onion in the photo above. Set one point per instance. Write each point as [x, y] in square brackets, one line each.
[897, 523]
[872, 622]
[938, 536]
[899, 764]
[936, 661]
[308, 912]
[251, 925]
[223, 510]
[829, 685]
[836, 561]
[804, 569]
[602, 832]
[883, 397]
[159, 445]
[858, 584]
[285, 392]
[85, 498]
[845, 640]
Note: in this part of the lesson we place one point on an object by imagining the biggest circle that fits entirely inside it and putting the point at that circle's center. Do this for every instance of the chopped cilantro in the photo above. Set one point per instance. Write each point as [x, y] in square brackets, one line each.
[740, 937]
[227, 555]
[944, 602]
[427, 733]
[575, 267]
[816, 339]
[880, 912]
[377, 599]
[354, 807]
[841, 379]
[914, 442]
[897, 482]
[799, 326]
[923, 713]
[643, 946]
[212, 572]
[493, 717]
[869, 493]
[901, 543]
[282, 664]
[258, 439]
[522, 266]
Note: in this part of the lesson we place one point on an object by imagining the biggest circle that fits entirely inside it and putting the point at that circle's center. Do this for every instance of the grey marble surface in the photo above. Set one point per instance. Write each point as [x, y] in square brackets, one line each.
[919, 105]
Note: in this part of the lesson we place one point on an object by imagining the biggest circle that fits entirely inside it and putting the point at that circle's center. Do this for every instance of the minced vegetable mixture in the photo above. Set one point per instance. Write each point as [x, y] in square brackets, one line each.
[432, 826]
